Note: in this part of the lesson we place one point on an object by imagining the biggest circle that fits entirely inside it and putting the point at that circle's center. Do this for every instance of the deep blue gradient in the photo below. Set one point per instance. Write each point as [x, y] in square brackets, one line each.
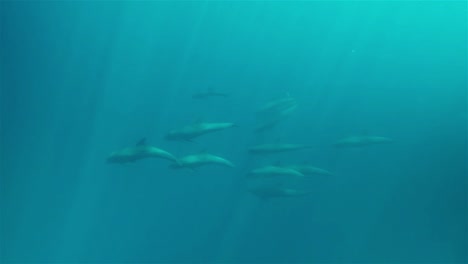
[81, 79]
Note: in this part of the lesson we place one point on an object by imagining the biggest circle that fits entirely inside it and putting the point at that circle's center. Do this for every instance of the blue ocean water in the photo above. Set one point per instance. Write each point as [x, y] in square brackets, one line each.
[81, 79]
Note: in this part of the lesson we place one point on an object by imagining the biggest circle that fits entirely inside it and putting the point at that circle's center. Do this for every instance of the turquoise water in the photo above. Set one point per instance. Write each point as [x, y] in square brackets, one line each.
[80, 80]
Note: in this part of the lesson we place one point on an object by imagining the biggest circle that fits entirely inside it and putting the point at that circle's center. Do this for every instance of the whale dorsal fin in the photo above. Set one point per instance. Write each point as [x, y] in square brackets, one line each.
[141, 142]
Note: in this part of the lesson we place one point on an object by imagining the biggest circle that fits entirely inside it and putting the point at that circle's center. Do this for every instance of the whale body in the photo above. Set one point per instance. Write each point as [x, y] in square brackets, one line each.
[138, 152]
[190, 132]
[266, 192]
[197, 160]
[274, 148]
[271, 171]
[361, 141]
[207, 94]
[309, 170]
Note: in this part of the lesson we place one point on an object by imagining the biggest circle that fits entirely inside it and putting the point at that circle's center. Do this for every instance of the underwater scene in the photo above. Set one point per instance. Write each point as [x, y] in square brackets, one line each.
[233, 131]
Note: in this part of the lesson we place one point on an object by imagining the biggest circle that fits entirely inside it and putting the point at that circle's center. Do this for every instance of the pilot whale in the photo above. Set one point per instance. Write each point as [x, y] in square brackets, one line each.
[271, 120]
[274, 148]
[309, 170]
[361, 141]
[201, 159]
[271, 171]
[278, 105]
[207, 94]
[140, 151]
[190, 132]
[266, 192]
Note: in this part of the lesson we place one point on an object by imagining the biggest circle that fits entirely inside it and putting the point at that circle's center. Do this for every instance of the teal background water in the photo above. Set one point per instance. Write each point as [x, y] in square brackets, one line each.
[82, 79]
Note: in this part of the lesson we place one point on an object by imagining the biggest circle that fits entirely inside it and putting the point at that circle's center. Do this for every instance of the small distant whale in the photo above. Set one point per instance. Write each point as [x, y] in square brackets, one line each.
[207, 94]
[275, 148]
[278, 105]
[361, 141]
[272, 171]
[270, 121]
[309, 170]
[190, 132]
[266, 192]
[138, 152]
[197, 160]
